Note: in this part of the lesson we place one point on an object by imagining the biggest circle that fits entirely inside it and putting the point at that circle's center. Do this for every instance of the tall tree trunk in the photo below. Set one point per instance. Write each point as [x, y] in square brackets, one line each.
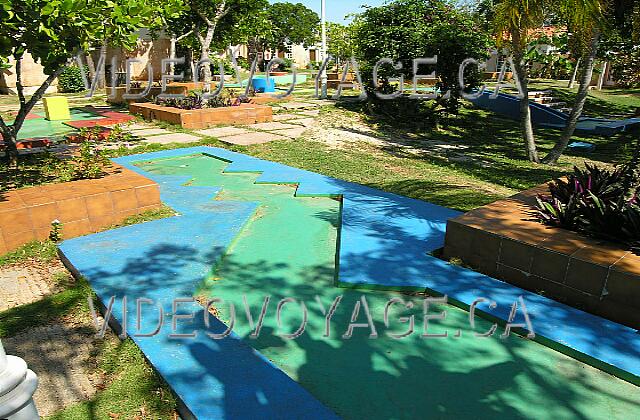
[572, 81]
[11, 149]
[578, 106]
[172, 55]
[90, 65]
[525, 111]
[10, 132]
[102, 81]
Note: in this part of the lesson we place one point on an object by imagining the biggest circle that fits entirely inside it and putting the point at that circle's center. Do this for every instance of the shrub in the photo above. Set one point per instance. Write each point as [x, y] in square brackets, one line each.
[598, 202]
[625, 66]
[195, 100]
[243, 63]
[227, 65]
[70, 80]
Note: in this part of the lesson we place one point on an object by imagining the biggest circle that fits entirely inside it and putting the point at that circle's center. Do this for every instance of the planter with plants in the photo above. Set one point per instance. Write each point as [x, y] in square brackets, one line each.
[576, 240]
[194, 112]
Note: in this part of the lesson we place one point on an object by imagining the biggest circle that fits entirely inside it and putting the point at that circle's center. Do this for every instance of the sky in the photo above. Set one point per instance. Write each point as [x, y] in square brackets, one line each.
[336, 9]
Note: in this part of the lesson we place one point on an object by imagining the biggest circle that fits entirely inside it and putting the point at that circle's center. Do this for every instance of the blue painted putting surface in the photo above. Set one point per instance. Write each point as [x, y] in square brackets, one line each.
[384, 240]
[214, 379]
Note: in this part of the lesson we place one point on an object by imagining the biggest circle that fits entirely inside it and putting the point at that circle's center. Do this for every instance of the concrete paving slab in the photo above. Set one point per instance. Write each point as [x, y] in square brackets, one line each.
[252, 138]
[61, 354]
[272, 126]
[305, 122]
[135, 126]
[311, 112]
[285, 117]
[222, 131]
[298, 105]
[172, 138]
[149, 132]
[293, 132]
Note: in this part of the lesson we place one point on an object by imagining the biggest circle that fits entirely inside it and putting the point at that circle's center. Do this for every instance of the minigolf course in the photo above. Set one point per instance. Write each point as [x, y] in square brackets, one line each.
[249, 229]
[544, 116]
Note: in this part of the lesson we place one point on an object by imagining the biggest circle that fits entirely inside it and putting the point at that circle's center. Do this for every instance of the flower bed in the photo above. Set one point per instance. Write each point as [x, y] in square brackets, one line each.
[505, 241]
[194, 119]
[81, 207]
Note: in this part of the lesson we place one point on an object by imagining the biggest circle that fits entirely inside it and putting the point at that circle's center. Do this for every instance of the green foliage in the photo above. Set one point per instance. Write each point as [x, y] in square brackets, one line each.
[598, 202]
[231, 22]
[70, 80]
[55, 235]
[286, 64]
[555, 65]
[291, 24]
[90, 163]
[406, 29]
[243, 63]
[195, 100]
[53, 31]
[625, 66]
[339, 41]
[226, 65]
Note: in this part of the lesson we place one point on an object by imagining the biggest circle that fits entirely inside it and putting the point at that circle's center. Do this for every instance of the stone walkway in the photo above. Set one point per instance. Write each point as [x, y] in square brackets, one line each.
[20, 285]
[290, 121]
[60, 352]
[61, 355]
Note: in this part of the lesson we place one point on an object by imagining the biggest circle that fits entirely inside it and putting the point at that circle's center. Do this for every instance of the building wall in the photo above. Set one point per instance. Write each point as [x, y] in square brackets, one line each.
[148, 51]
[32, 76]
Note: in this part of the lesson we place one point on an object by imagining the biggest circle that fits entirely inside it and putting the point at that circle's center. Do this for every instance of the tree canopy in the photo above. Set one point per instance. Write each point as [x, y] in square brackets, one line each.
[55, 31]
[291, 24]
[406, 29]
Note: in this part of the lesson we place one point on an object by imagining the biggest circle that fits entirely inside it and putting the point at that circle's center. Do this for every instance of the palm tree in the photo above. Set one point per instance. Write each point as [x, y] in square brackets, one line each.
[513, 21]
[586, 20]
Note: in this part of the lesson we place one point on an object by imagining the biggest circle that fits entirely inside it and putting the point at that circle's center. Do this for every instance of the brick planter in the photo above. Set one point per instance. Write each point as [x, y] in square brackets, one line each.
[203, 118]
[503, 241]
[83, 207]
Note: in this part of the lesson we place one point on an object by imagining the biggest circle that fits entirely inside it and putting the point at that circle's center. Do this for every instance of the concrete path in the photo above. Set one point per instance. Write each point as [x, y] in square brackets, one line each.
[61, 355]
[20, 285]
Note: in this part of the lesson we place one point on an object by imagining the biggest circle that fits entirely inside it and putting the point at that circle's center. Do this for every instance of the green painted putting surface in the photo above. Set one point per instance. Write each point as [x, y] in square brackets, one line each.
[288, 249]
[41, 127]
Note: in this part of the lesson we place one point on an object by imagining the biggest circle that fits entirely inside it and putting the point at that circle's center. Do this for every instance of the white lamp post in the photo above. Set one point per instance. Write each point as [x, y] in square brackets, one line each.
[323, 75]
[17, 385]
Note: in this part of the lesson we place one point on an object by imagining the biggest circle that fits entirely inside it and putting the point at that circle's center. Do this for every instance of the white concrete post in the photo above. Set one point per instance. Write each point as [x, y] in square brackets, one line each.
[17, 386]
[323, 76]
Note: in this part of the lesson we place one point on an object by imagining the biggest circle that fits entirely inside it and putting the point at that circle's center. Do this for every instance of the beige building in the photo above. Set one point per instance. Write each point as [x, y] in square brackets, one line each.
[32, 77]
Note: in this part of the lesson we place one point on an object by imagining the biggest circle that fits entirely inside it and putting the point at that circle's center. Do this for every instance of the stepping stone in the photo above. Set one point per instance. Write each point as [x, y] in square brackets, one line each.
[136, 126]
[305, 122]
[311, 112]
[150, 132]
[222, 131]
[269, 126]
[322, 102]
[293, 132]
[252, 138]
[298, 105]
[172, 138]
[284, 117]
